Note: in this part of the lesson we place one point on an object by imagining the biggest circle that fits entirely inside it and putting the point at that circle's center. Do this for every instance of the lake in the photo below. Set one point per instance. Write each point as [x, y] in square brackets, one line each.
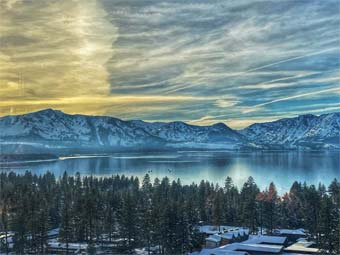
[283, 168]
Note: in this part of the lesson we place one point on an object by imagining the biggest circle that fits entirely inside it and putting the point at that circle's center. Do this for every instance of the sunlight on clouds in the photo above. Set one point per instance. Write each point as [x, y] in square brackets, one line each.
[54, 49]
[256, 107]
[198, 61]
[122, 105]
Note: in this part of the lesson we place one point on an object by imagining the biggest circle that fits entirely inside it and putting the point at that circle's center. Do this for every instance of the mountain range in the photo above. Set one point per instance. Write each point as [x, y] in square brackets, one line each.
[54, 131]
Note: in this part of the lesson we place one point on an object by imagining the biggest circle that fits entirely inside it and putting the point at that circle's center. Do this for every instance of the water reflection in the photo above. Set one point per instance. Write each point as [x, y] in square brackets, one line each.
[283, 168]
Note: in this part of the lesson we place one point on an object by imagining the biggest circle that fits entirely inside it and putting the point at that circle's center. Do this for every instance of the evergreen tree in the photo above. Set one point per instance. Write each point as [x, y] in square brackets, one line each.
[248, 212]
[270, 207]
[328, 227]
[230, 202]
[128, 220]
[161, 214]
[218, 208]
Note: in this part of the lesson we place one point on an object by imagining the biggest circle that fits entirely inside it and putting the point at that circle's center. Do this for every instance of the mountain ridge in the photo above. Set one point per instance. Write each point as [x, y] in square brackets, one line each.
[52, 130]
[312, 130]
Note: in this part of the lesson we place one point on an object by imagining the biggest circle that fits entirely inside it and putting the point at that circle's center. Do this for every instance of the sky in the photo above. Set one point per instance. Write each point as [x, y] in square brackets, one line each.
[199, 61]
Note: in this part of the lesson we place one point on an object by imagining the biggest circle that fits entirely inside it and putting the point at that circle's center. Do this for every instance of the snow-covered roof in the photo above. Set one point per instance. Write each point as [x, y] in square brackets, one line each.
[9, 239]
[214, 238]
[260, 247]
[229, 235]
[302, 246]
[242, 247]
[53, 232]
[209, 229]
[258, 239]
[146, 251]
[303, 242]
[221, 251]
[73, 246]
[3, 234]
[239, 231]
[244, 231]
[299, 231]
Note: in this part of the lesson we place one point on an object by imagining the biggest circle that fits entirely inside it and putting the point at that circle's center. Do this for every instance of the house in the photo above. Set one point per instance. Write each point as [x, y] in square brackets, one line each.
[270, 240]
[237, 241]
[213, 241]
[241, 248]
[302, 246]
[260, 249]
[292, 234]
[55, 247]
[210, 230]
[259, 244]
[222, 252]
[7, 241]
[234, 235]
[255, 245]
[53, 233]
[228, 236]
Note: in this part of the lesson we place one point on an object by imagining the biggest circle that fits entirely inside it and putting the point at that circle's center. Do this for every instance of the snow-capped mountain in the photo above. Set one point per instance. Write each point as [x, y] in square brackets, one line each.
[305, 131]
[180, 132]
[52, 129]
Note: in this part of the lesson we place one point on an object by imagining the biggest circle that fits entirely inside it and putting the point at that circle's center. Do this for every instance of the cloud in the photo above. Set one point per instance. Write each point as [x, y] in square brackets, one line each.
[254, 108]
[233, 61]
[54, 48]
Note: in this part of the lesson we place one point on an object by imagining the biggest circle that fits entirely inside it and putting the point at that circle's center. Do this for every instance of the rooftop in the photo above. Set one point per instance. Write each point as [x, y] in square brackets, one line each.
[302, 246]
[299, 231]
[258, 239]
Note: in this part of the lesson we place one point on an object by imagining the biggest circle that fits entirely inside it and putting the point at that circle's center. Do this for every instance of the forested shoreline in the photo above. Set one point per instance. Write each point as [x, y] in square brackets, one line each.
[148, 213]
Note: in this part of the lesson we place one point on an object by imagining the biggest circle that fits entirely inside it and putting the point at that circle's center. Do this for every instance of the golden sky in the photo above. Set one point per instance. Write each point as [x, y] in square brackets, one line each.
[168, 60]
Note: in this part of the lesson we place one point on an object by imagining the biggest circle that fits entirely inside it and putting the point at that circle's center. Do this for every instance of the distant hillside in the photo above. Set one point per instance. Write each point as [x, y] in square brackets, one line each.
[54, 130]
[305, 131]
[50, 130]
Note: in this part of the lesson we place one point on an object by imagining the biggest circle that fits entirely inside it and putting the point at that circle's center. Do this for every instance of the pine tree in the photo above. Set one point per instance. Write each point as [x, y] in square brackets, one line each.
[230, 202]
[270, 207]
[218, 208]
[248, 212]
[4, 228]
[334, 191]
[328, 227]
[128, 220]
[146, 211]
[66, 211]
[161, 214]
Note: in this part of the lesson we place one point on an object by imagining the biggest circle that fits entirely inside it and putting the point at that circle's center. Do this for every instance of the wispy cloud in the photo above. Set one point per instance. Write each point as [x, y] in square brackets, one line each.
[254, 108]
[233, 61]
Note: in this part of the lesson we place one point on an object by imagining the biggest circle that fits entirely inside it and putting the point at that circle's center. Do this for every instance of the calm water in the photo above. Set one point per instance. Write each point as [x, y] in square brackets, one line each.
[281, 167]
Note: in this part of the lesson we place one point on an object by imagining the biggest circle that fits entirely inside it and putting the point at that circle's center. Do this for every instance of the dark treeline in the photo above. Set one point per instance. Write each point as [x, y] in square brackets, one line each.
[91, 209]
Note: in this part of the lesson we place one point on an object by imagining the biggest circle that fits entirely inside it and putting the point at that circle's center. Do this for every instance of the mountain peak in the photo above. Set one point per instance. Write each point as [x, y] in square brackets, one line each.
[306, 130]
[220, 125]
[306, 116]
[47, 111]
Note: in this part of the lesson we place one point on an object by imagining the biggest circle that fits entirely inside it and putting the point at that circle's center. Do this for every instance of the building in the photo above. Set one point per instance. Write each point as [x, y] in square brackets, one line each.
[254, 245]
[7, 241]
[222, 252]
[302, 246]
[292, 234]
[210, 229]
[270, 240]
[55, 247]
[260, 245]
[213, 241]
[227, 236]
[53, 233]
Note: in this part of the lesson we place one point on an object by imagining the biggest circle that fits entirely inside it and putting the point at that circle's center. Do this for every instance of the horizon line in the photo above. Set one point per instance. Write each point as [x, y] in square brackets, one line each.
[148, 121]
